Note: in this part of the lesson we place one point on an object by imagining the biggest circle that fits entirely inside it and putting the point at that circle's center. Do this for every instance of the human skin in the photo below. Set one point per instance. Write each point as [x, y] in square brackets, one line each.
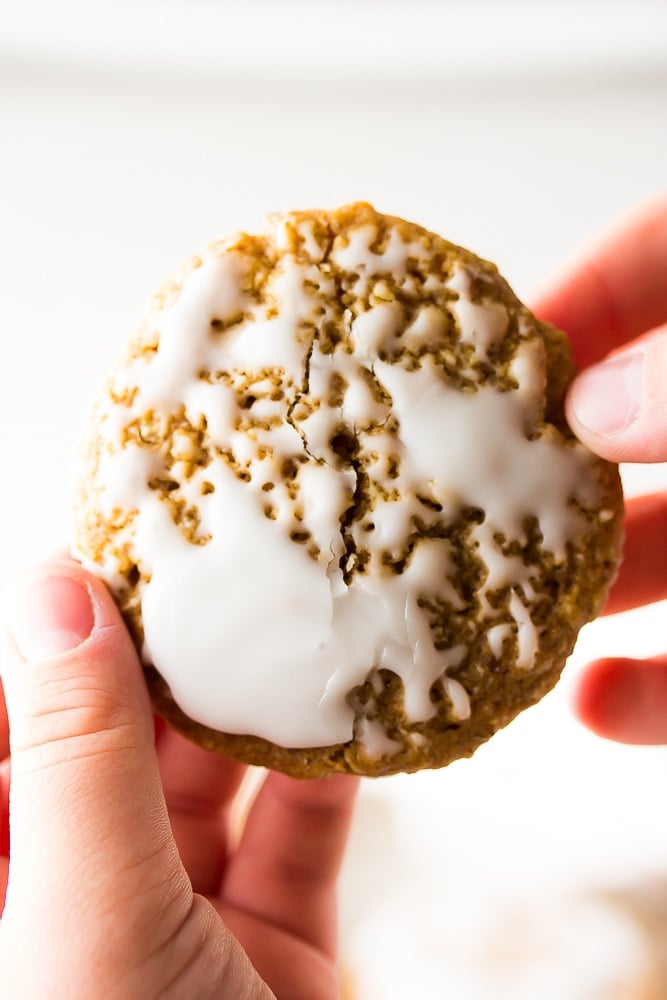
[611, 299]
[125, 880]
[125, 877]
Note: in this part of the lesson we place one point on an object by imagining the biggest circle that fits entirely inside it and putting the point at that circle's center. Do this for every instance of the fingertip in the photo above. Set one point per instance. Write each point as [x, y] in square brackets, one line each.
[618, 408]
[623, 700]
[57, 607]
[104, 606]
[68, 648]
[599, 698]
[604, 403]
[61, 594]
[49, 614]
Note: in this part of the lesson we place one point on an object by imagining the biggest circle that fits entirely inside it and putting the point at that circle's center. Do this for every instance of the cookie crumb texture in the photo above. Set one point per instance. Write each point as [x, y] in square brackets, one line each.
[332, 489]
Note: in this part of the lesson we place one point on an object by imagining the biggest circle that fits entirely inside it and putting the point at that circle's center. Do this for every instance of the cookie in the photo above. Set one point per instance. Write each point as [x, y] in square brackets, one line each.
[331, 486]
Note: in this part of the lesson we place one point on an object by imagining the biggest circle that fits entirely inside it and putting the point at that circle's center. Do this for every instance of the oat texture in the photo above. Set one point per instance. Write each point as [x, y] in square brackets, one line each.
[481, 616]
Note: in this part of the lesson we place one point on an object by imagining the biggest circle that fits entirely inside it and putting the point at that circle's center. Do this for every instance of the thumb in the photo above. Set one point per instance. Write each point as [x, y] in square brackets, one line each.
[619, 407]
[86, 806]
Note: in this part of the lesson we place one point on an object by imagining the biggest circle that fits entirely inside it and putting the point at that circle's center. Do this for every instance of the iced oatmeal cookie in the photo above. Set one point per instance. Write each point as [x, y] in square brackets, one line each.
[331, 486]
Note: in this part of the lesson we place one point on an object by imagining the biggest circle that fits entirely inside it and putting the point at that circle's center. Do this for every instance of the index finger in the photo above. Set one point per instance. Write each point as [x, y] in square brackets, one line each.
[643, 574]
[615, 288]
[4, 727]
[290, 853]
[199, 787]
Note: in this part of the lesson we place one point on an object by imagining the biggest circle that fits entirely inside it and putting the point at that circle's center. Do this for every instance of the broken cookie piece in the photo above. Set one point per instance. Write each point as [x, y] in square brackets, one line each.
[333, 491]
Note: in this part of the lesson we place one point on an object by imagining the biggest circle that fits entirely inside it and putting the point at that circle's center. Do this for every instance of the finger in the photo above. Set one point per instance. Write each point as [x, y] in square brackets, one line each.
[4, 726]
[160, 728]
[4, 808]
[619, 407]
[613, 289]
[624, 700]
[290, 967]
[4, 877]
[643, 575]
[86, 805]
[285, 869]
[4, 829]
[199, 787]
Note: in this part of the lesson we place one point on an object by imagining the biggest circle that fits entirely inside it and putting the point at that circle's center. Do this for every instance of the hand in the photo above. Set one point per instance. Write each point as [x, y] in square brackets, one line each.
[124, 881]
[612, 301]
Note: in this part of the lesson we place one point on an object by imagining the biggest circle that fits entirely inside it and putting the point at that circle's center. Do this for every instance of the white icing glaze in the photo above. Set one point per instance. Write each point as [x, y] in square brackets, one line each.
[480, 324]
[503, 472]
[255, 632]
[372, 736]
[496, 637]
[527, 636]
[372, 329]
[528, 369]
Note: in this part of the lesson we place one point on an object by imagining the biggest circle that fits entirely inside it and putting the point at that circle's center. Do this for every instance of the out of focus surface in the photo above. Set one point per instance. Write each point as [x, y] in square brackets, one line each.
[130, 135]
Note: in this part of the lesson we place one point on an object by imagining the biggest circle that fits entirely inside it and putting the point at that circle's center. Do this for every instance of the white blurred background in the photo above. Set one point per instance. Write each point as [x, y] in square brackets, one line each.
[133, 133]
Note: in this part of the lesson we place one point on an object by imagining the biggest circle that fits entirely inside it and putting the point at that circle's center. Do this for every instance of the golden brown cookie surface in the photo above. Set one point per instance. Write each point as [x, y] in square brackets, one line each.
[333, 490]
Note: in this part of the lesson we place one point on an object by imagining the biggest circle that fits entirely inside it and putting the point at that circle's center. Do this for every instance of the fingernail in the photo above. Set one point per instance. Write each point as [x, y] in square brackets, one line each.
[607, 398]
[49, 616]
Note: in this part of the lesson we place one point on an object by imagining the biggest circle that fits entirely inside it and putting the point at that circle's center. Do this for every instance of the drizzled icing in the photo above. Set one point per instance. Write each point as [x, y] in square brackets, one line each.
[274, 522]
